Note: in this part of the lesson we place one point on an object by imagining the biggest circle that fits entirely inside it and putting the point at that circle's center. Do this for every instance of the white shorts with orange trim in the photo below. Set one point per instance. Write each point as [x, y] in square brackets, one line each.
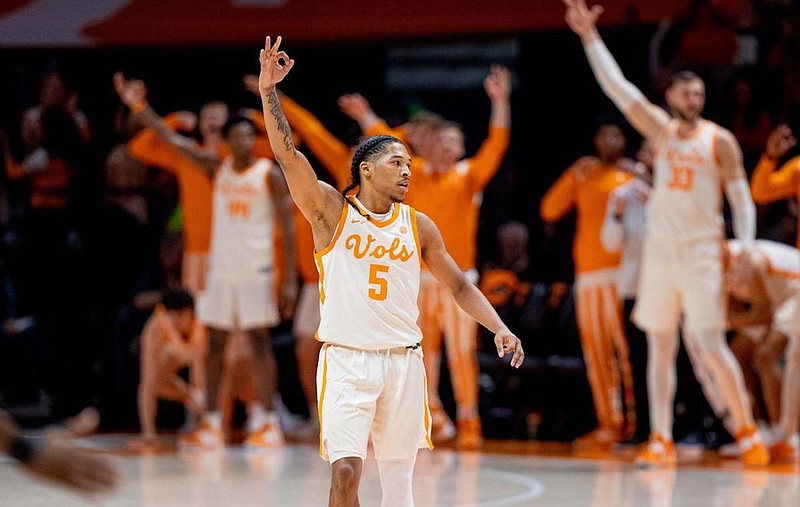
[680, 277]
[382, 393]
[786, 318]
[306, 316]
[238, 304]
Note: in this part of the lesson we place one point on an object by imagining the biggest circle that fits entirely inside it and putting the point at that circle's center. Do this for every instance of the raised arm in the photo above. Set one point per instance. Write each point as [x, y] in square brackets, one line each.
[320, 203]
[767, 184]
[466, 294]
[133, 94]
[484, 165]
[646, 117]
[737, 189]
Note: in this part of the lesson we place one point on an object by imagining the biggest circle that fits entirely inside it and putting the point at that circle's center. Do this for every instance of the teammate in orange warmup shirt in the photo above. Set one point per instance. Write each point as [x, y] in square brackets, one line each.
[682, 256]
[447, 188]
[586, 185]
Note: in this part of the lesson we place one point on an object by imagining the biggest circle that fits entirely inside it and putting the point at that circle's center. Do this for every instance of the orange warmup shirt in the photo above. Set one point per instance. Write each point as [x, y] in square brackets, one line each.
[195, 186]
[452, 198]
[586, 188]
[768, 185]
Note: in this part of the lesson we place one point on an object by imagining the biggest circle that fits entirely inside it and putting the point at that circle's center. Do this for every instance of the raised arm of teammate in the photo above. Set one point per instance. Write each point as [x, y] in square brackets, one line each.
[769, 185]
[319, 202]
[357, 107]
[133, 93]
[466, 294]
[737, 189]
[646, 117]
[484, 165]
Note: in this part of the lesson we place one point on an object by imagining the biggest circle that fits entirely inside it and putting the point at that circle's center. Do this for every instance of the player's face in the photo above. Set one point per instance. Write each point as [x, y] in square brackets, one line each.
[212, 119]
[241, 138]
[451, 145]
[53, 93]
[686, 99]
[391, 172]
[609, 141]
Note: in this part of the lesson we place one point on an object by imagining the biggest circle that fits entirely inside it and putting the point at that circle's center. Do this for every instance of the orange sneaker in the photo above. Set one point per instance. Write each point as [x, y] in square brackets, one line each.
[469, 436]
[784, 451]
[442, 428]
[752, 448]
[269, 435]
[658, 452]
[600, 439]
[206, 436]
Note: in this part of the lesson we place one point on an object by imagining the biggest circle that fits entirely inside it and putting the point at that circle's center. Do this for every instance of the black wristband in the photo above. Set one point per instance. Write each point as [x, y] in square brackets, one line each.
[22, 448]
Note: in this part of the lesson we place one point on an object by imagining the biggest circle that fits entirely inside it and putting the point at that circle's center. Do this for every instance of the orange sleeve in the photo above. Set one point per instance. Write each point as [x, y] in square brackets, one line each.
[333, 153]
[381, 128]
[148, 149]
[484, 165]
[768, 185]
[560, 199]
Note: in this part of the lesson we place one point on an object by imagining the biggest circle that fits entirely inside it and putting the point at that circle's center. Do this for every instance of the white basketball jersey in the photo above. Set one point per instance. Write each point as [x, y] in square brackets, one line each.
[686, 201]
[782, 279]
[369, 280]
[242, 227]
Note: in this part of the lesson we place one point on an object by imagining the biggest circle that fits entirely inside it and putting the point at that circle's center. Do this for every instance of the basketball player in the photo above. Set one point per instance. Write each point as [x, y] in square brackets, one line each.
[171, 340]
[586, 185]
[449, 189]
[767, 277]
[681, 264]
[248, 195]
[53, 458]
[370, 248]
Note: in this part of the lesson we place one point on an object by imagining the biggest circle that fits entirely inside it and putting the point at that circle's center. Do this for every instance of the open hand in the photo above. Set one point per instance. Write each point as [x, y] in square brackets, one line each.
[354, 105]
[498, 83]
[58, 460]
[581, 19]
[780, 141]
[132, 92]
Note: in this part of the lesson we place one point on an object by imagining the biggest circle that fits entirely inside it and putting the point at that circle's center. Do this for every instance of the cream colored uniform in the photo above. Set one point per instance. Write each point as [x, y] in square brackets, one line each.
[681, 261]
[371, 377]
[239, 291]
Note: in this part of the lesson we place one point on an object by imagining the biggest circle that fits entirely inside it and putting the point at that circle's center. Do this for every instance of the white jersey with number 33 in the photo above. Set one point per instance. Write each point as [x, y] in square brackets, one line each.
[369, 280]
[686, 202]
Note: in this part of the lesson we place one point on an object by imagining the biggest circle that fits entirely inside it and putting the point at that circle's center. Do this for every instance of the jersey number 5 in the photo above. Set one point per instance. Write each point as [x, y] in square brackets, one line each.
[682, 179]
[382, 286]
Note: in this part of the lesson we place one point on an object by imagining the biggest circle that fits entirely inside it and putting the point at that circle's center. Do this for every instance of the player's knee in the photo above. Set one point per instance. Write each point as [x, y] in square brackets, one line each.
[345, 473]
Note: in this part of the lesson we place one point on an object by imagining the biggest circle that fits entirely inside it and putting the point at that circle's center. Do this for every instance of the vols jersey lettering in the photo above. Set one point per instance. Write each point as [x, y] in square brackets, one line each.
[370, 275]
[686, 202]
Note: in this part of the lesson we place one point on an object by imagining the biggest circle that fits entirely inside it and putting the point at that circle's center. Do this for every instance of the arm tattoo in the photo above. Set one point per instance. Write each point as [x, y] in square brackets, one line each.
[283, 125]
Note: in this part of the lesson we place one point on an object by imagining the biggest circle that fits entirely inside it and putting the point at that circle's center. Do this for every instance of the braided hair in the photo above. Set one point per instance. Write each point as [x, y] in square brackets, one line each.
[366, 150]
